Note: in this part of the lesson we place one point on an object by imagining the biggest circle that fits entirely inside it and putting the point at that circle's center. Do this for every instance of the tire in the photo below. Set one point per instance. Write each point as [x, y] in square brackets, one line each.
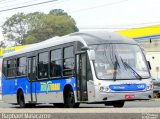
[21, 100]
[118, 104]
[76, 105]
[60, 105]
[30, 105]
[69, 100]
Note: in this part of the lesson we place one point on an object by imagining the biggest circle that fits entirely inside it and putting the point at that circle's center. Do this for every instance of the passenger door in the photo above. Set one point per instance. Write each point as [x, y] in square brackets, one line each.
[81, 74]
[32, 78]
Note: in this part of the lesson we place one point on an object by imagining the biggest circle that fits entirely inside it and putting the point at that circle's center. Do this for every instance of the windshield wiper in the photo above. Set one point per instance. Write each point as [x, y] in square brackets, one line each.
[128, 66]
[116, 64]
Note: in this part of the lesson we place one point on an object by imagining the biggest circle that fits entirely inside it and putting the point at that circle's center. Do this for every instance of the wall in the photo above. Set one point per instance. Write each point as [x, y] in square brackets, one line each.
[154, 58]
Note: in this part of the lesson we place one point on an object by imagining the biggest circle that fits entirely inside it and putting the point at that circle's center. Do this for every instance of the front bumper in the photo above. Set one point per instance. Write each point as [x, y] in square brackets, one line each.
[123, 96]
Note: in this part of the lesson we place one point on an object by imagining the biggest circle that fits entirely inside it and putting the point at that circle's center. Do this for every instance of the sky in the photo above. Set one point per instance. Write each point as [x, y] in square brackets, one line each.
[110, 15]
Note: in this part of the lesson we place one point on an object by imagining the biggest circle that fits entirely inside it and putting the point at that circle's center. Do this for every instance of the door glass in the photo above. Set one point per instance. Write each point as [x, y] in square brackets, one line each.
[78, 76]
[29, 67]
[83, 77]
[34, 68]
[32, 77]
[83, 71]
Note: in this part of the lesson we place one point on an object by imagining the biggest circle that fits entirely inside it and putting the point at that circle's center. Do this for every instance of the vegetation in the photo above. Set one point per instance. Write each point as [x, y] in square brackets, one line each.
[36, 27]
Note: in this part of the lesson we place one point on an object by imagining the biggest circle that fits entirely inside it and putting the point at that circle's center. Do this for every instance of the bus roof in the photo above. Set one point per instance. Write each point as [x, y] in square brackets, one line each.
[98, 37]
[87, 38]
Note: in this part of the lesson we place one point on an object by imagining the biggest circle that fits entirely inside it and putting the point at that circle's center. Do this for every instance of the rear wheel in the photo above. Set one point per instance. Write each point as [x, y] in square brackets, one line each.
[118, 104]
[30, 105]
[21, 100]
[58, 105]
[69, 100]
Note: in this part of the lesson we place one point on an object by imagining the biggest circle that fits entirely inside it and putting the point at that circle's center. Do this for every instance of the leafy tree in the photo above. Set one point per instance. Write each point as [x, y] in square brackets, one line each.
[35, 27]
[58, 12]
[35, 20]
[2, 44]
[15, 28]
[54, 26]
[30, 39]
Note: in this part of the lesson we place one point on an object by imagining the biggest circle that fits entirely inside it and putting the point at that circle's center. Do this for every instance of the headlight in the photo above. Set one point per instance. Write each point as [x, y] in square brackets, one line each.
[150, 86]
[106, 89]
[103, 89]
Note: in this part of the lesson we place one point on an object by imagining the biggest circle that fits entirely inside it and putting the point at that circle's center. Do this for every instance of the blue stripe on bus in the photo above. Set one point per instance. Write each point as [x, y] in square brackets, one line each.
[128, 87]
[11, 86]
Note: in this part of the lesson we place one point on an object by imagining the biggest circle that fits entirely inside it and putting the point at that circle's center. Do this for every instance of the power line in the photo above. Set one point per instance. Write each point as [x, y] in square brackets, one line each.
[3, 0]
[6, 1]
[108, 4]
[103, 5]
[118, 27]
[28, 5]
[155, 24]
[18, 3]
[138, 24]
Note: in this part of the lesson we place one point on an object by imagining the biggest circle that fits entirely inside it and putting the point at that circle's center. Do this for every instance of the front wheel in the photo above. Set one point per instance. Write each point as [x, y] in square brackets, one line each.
[61, 105]
[69, 100]
[21, 100]
[118, 104]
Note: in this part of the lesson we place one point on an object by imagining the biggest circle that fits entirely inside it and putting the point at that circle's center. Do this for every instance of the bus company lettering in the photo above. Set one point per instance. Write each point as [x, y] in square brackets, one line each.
[119, 87]
[49, 86]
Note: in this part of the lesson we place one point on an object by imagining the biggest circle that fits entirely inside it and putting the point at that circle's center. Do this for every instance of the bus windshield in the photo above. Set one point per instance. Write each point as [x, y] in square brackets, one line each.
[120, 61]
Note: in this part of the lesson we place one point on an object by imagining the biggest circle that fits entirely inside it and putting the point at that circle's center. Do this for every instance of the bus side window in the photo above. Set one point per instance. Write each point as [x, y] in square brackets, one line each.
[21, 66]
[56, 63]
[68, 61]
[43, 65]
[11, 68]
[4, 69]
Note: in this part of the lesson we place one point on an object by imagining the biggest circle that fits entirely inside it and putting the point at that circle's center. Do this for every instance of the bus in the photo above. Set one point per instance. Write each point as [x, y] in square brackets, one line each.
[93, 67]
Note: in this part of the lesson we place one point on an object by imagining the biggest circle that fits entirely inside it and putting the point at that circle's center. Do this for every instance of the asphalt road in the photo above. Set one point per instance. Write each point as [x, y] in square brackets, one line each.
[131, 110]
[129, 104]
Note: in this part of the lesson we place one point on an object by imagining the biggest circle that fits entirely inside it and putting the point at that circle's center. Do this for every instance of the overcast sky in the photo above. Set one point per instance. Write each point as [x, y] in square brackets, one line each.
[94, 14]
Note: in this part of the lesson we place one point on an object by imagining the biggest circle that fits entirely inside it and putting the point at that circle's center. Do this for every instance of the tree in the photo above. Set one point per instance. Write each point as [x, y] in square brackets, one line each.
[30, 39]
[2, 44]
[54, 26]
[35, 20]
[58, 12]
[15, 28]
[35, 27]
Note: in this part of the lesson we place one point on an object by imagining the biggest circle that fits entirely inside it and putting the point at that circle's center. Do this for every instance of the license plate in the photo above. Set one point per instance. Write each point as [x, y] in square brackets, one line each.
[129, 96]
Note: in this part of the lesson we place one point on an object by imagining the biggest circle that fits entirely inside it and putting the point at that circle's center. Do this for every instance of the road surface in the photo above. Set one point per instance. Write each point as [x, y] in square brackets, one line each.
[131, 110]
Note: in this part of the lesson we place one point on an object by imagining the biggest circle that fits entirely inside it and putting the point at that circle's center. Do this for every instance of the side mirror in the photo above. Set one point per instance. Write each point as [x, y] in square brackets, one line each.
[91, 52]
[85, 48]
[92, 55]
[149, 64]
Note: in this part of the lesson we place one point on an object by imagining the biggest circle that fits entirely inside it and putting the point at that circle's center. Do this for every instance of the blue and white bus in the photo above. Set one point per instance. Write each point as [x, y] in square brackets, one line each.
[94, 67]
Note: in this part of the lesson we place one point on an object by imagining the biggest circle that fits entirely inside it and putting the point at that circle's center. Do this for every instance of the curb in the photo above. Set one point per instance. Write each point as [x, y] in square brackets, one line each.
[156, 99]
[151, 100]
